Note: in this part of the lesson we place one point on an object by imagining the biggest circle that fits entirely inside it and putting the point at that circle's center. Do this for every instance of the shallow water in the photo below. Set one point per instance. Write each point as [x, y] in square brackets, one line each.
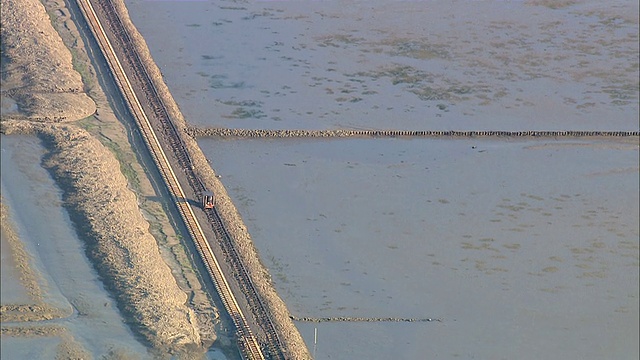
[29, 348]
[68, 279]
[12, 290]
[525, 249]
[513, 244]
[8, 105]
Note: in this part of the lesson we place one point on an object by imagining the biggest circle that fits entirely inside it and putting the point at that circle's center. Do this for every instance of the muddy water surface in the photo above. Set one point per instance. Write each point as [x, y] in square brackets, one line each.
[520, 247]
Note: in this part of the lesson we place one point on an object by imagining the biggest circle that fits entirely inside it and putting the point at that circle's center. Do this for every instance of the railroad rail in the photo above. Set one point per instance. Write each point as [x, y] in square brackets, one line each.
[248, 345]
[272, 344]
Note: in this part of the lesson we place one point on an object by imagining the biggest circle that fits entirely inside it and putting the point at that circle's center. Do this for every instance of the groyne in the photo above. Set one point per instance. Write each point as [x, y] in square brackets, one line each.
[362, 319]
[340, 133]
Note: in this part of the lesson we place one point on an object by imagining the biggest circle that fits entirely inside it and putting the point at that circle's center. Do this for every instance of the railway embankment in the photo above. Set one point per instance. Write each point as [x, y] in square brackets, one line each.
[291, 340]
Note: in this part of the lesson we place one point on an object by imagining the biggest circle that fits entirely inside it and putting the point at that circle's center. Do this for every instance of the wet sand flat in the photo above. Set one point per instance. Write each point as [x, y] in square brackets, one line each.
[66, 279]
[12, 290]
[412, 65]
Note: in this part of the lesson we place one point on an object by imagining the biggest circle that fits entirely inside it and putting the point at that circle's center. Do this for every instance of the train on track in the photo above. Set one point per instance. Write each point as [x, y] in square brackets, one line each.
[208, 200]
[157, 119]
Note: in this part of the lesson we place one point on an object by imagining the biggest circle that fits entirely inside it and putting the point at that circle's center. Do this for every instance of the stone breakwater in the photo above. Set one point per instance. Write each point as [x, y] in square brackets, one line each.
[361, 319]
[247, 133]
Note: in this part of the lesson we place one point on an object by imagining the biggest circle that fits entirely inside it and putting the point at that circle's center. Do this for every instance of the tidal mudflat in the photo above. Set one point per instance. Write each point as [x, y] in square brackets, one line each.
[522, 248]
[412, 65]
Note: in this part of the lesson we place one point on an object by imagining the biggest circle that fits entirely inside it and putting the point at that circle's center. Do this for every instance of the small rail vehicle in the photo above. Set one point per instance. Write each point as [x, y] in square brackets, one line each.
[208, 200]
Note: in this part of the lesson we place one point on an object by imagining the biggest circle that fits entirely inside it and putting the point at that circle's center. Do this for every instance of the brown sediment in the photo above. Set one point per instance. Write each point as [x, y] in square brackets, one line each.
[293, 343]
[37, 68]
[553, 4]
[68, 348]
[38, 309]
[33, 331]
[30, 313]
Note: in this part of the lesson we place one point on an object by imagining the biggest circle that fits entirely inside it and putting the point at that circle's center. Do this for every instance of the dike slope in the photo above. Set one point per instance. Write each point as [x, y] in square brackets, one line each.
[37, 68]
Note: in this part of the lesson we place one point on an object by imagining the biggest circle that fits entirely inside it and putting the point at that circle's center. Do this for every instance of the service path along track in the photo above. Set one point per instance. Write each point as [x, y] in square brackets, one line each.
[133, 69]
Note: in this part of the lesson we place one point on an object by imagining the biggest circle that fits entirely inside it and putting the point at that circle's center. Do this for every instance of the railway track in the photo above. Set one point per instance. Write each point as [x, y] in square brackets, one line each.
[272, 344]
[160, 133]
